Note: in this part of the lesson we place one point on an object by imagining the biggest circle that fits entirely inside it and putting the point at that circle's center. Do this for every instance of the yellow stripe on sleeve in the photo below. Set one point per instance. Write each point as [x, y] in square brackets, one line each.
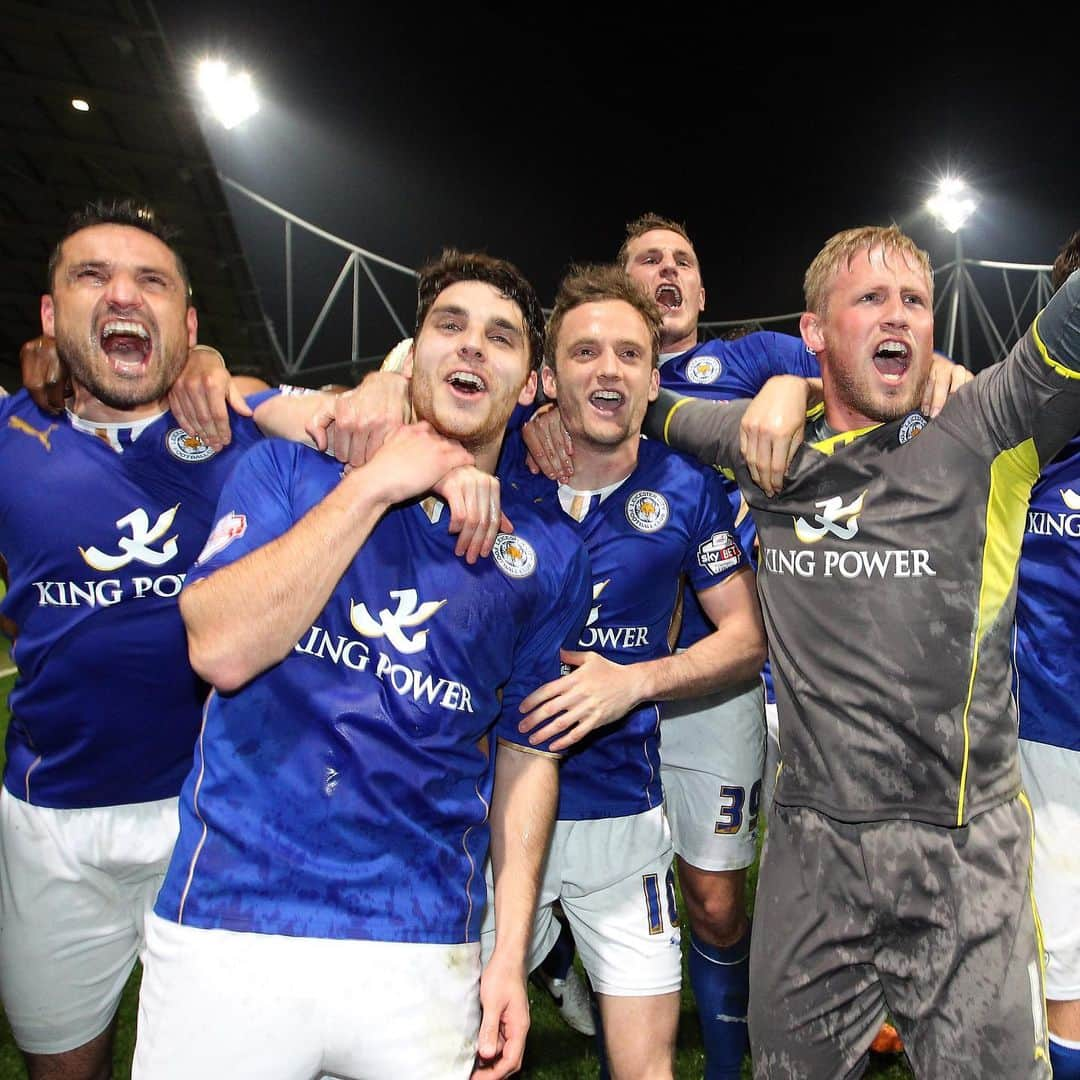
[1012, 474]
[1061, 369]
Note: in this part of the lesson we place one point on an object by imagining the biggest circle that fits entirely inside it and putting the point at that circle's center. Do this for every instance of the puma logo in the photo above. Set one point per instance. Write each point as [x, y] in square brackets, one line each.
[42, 437]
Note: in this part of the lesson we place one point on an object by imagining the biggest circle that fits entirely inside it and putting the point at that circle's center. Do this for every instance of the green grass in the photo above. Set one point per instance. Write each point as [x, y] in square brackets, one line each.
[554, 1051]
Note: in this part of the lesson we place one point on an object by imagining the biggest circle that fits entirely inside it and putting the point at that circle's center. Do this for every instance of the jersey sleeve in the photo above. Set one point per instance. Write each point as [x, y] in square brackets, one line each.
[1033, 396]
[714, 552]
[255, 507]
[767, 353]
[556, 624]
[709, 430]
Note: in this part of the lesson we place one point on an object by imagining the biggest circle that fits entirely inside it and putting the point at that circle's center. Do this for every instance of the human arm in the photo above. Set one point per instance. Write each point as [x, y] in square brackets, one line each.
[772, 428]
[44, 375]
[339, 425]
[247, 614]
[549, 445]
[202, 396]
[522, 815]
[945, 378]
[599, 691]
[707, 429]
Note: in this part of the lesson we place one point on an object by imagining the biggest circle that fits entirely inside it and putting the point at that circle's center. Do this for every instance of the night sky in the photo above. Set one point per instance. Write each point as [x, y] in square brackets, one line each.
[536, 136]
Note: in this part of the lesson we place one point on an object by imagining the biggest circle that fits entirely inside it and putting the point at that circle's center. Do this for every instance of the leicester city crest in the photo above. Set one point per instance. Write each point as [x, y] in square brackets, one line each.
[513, 556]
[646, 510]
[912, 425]
[187, 447]
[703, 369]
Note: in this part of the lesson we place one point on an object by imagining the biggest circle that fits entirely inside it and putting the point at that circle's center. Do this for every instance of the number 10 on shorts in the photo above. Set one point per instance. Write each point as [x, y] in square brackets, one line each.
[651, 884]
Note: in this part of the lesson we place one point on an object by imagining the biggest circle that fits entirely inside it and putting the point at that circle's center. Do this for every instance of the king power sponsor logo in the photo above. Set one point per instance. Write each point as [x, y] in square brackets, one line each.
[1064, 523]
[840, 522]
[147, 544]
[610, 637]
[343, 650]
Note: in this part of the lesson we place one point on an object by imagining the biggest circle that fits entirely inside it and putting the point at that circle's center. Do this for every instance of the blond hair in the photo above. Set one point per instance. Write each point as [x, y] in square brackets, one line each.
[840, 250]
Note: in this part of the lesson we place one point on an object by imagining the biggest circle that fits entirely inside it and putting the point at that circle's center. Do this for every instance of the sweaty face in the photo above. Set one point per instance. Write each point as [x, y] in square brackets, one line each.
[875, 339]
[471, 366]
[604, 377]
[663, 263]
[119, 312]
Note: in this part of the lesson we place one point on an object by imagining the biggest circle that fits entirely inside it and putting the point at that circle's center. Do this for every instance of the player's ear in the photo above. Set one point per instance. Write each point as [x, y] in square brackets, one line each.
[551, 391]
[192, 327]
[701, 302]
[48, 316]
[407, 360]
[654, 384]
[528, 391]
[810, 328]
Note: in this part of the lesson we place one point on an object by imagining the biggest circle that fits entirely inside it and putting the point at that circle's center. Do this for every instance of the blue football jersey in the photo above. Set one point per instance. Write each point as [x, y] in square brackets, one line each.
[1046, 665]
[97, 539]
[726, 371]
[343, 792]
[669, 518]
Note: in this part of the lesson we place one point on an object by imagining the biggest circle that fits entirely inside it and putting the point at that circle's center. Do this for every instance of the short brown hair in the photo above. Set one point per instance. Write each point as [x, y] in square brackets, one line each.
[130, 212]
[595, 284]
[1068, 260]
[841, 249]
[454, 266]
[648, 223]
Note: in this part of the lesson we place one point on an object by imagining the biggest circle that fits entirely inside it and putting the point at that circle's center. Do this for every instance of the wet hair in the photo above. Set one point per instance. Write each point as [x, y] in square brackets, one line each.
[454, 266]
[595, 284]
[1068, 260]
[648, 223]
[840, 250]
[130, 212]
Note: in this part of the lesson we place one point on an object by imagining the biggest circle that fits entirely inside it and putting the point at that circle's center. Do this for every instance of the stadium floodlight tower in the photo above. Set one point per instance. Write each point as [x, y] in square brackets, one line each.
[951, 206]
[230, 95]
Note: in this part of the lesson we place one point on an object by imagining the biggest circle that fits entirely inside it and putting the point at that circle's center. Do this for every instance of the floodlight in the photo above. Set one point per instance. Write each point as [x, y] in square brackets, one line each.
[80, 105]
[950, 206]
[231, 96]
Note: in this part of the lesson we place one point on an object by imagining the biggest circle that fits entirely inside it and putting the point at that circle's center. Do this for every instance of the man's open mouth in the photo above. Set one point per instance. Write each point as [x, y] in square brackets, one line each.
[125, 342]
[466, 382]
[669, 297]
[605, 400]
[892, 359]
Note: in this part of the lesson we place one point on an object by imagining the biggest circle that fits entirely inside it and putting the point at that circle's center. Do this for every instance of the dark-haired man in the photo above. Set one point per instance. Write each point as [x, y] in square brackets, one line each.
[336, 820]
[898, 856]
[102, 509]
[647, 518]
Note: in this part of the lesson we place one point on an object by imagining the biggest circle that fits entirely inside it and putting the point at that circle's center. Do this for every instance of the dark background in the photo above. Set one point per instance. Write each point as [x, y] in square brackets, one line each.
[538, 135]
[533, 133]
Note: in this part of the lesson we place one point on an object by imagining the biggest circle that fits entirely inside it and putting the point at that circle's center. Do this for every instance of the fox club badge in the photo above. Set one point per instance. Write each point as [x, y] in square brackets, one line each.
[513, 555]
[185, 447]
[647, 511]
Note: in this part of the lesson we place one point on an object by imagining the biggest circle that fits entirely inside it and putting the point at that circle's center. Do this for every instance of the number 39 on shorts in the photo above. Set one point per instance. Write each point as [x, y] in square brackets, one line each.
[733, 804]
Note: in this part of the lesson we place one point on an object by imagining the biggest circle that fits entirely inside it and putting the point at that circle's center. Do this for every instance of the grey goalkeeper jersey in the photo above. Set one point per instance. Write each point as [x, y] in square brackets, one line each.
[887, 575]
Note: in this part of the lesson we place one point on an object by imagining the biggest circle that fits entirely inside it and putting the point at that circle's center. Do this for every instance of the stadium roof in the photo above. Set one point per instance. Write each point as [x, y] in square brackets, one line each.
[140, 138]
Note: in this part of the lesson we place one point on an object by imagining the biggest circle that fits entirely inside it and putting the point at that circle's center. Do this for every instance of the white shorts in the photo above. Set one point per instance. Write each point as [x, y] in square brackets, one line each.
[712, 753]
[221, 1005]
[772, 758]
[1052, 779]
[75, 889]
[613, 879]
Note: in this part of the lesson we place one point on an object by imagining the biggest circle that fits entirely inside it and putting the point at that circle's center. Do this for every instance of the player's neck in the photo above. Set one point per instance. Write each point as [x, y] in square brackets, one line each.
[675, 346]
[87, 407]
[597, 466]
